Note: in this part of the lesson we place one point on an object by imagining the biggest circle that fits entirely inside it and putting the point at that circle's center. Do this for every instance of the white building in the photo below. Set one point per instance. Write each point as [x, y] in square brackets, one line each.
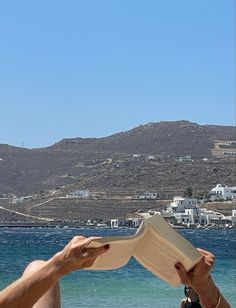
[194, 215]
[234, 217]
[78, 194]
[3, 196]
[16, 200]
[210, 217]
[114, 223]
[151, 157]
[189, 216]
[147, 195]
[230, 153]
[137, 155]
[183, 159]
[129, 222]
[133, 222]
[200, 216]
[223, 192]
[179, 204]
[186, 211]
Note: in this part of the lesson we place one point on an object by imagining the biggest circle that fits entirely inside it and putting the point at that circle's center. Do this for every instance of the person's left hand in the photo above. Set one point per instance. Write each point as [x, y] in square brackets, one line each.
[200, 274]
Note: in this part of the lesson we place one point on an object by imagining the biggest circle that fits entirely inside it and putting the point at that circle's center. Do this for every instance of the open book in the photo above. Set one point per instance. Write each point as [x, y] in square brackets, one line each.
[155, 245]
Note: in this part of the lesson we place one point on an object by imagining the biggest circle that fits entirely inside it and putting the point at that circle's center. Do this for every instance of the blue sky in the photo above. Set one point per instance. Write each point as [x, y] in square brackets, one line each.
[93, 68]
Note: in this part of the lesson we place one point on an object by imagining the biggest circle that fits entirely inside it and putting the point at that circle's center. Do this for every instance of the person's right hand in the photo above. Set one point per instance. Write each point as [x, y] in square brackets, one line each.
[200, 274]
[76, 255]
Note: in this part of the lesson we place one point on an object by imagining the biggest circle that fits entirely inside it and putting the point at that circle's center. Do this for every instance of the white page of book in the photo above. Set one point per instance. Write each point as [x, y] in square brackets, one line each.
[154, 254]
[120, 251]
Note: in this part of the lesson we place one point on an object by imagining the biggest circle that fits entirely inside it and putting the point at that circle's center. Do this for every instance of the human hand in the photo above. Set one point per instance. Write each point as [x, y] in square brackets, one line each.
[76, 255]
[200, 274]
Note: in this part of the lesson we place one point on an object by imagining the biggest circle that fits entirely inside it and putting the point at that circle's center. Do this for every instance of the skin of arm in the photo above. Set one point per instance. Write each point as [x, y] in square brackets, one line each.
[200, 280]
[27, 290]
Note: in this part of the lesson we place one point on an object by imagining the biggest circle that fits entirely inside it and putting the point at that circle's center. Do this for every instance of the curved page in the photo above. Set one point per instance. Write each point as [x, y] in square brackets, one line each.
[121, 250]
[162, 247]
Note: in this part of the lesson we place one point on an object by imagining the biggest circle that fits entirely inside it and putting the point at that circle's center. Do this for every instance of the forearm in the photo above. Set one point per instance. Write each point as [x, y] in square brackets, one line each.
[210, 296]
[27, 290]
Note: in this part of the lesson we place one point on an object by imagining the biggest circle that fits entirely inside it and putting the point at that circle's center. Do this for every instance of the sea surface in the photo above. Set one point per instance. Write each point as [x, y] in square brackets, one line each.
[130, 286]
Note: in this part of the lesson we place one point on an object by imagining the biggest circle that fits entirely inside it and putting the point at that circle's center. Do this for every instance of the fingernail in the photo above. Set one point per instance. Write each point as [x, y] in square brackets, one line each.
[107, 246]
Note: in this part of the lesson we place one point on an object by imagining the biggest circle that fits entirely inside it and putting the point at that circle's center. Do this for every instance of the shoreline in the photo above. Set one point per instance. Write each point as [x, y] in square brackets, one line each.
[76, 225]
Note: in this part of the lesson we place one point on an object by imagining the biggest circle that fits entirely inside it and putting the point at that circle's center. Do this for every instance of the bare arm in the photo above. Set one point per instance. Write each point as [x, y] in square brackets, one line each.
[26, 291]
[200, 280]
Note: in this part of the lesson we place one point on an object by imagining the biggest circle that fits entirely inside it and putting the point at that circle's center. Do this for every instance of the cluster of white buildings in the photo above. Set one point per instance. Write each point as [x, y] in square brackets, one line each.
[187, 211]
[217, 193]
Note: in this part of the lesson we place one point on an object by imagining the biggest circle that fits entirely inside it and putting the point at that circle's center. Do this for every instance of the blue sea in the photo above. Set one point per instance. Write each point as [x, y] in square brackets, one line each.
[130, 286]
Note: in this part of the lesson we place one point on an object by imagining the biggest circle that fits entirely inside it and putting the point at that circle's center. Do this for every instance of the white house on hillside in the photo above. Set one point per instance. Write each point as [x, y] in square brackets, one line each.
[78, 194]
[147, 195]
[183, 159]
[223, 192]
[16, 200]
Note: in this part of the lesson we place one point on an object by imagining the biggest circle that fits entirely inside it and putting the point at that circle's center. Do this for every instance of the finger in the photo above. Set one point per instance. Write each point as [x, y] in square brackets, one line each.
[88, 240]
[183, 274]
[86, 243]
[205, 253]
[91, 253]
[93, 238]
[209, 263]
[210, 260]
[78, 238]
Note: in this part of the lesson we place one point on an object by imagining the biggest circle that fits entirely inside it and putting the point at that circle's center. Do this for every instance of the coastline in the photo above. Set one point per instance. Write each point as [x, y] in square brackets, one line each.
[66, 225]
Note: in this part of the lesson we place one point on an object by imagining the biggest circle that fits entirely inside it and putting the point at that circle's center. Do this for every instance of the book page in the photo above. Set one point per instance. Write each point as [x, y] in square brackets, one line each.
[120, 251]
[167, 233]
[159, 255]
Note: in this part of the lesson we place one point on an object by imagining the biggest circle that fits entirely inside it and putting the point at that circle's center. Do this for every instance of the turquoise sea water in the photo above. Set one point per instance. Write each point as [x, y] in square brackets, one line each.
[130, 286]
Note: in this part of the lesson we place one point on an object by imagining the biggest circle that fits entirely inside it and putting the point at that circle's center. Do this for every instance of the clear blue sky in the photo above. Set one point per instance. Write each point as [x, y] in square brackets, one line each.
[93, 68]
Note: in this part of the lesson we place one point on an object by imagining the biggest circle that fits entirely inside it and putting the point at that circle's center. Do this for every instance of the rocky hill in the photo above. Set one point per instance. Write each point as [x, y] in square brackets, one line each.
[163, 138]
[108, 164]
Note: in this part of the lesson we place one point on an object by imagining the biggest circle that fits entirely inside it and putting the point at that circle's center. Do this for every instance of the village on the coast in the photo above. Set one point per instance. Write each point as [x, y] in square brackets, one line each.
[187, 211]
[181, 212]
